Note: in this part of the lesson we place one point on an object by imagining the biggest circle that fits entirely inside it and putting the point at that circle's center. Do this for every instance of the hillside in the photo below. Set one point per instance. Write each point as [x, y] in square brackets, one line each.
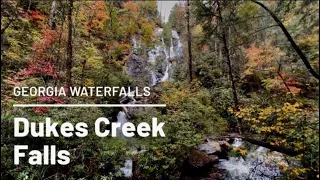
[238, 81]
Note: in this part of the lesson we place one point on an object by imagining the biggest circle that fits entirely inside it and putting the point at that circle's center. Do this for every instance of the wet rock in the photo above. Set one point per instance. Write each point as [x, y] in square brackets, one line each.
[214, 158]
[216, 174]
[135, 66]
[198, 159]
[199, 165]
[210, 147]
[225, 145]
[225, 149]
[175, 34]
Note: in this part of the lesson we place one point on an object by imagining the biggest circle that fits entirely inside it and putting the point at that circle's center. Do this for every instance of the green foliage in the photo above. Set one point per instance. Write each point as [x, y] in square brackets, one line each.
[286, 126]
[177, 18]
[247, 9]
[282, 110]
[167, 34]
[89, 66]
[17, 44]
[159, 164]
[185, 125]
[90, 156]
[259, 48]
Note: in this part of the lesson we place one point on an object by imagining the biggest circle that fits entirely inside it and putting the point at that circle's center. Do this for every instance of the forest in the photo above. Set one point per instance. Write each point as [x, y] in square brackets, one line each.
[240, 81]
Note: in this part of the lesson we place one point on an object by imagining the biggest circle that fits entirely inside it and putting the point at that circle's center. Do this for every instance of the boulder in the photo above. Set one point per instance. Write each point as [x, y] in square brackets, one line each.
[225, 149]
[198, 165]
[225, 145]
[210, 147]
[214, 158]
[135, 66]
[216, 174]
[198, 159]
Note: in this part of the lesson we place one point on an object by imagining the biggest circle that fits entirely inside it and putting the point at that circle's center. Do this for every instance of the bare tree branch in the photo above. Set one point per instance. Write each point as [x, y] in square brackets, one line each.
[290, 39]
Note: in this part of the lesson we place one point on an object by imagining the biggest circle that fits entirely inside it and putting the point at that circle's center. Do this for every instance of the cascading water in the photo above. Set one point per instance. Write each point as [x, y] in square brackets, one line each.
[121, 118]
[166, 73]
[259, 164]
[157, 67]
[163, 54]
[127, 169]
[136, 44]
[237, 142]
[157, 55]
[154, 78]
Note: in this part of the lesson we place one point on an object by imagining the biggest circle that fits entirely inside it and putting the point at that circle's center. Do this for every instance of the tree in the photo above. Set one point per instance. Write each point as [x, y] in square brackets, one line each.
[69, 45]
[10, 12]
[52, 22]
[189, 42]
[227, 56]
[290, 39]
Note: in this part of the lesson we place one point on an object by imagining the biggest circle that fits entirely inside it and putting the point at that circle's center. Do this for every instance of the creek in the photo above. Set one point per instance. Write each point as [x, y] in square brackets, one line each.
[258, 164]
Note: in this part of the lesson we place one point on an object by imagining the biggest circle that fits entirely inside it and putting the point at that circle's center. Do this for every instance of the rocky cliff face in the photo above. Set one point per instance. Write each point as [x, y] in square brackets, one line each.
[157, 65]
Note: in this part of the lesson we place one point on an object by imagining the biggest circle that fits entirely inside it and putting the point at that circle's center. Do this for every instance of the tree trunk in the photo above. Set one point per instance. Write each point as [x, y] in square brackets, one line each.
[233, 84]
[189, 42]
[287, 151]
[282, 78]
[52, 22]
[83, 72]
[110, 6]
[227, 55]
[290, 39]
[69, 45]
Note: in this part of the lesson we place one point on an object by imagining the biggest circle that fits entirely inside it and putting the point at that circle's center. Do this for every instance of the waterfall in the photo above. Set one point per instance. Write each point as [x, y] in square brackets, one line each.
[161, 55]
[174, 51]
[158, 59]
[260, 164]
[134, 41]
[180, 49]
[136, 44]
[166, 73]
[154, 78]
[121, 118]
[127, 169]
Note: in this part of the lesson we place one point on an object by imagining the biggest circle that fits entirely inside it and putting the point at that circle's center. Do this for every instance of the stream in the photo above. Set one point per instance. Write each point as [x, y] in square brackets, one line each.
[259, 164]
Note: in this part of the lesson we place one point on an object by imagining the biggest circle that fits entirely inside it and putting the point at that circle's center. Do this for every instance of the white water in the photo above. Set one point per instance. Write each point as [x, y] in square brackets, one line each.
[175, 51]
[259, 164]
[154, 78]
[127, 169]
[136, 44]
[161, 54]
[237, 142]
[166, 73]
[121, 118]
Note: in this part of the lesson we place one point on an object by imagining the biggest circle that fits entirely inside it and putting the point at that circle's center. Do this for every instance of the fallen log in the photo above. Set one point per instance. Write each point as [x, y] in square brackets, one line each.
[285, 150]
[281, 149]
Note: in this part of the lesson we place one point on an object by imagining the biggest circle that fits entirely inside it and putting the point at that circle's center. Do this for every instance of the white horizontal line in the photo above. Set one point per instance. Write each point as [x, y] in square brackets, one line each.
[89, 105]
